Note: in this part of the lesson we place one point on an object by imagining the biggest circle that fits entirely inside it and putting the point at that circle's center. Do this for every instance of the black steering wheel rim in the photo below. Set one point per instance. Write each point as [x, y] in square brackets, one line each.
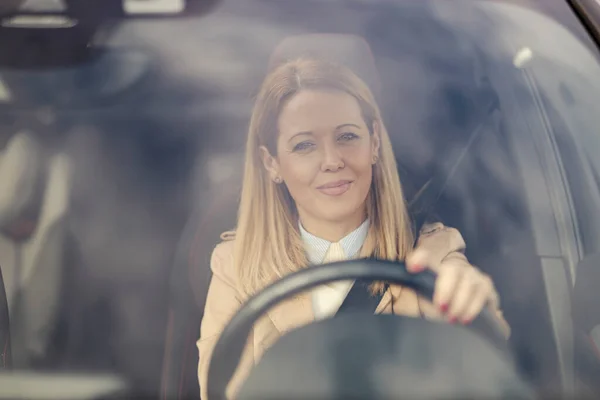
[232, 341]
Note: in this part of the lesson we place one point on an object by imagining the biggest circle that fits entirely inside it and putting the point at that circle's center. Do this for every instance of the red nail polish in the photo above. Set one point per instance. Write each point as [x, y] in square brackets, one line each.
[452, 320]
[444, 307]
[414, 268]
[467, 321]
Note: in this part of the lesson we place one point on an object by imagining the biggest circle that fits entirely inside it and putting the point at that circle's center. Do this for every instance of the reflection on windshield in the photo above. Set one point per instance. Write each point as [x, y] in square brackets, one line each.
[490, 108]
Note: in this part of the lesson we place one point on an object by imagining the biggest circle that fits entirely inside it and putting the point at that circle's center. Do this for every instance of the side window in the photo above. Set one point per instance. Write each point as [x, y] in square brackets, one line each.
[558, 72]
[569, 99]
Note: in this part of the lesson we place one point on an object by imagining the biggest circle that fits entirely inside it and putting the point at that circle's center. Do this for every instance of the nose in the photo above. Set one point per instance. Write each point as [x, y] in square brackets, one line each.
[332, 158]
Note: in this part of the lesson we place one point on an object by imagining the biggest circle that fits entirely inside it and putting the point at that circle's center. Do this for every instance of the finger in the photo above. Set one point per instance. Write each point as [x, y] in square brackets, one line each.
[493, 300]
[445, 286]
[417, 261]
[437, 244]
[486, 296]
[478, 301]
[425, 256]
[463, 296]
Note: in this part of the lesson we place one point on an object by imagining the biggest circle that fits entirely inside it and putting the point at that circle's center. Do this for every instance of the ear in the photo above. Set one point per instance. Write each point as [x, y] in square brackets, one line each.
[270, 163]
[376, 141]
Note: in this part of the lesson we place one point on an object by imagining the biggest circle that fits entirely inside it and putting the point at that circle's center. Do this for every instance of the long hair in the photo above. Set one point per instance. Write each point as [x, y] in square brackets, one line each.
[268, 245]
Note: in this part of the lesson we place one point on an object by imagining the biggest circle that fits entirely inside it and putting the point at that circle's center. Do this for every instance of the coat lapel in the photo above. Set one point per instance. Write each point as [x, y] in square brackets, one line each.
[385, 301]
[292, 313]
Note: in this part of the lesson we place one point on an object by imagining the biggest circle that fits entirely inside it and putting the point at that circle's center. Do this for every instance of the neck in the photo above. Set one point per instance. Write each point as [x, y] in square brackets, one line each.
[332, 231]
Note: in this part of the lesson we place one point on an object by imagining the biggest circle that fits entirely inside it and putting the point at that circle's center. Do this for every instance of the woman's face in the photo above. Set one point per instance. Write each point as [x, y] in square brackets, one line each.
[325, 156]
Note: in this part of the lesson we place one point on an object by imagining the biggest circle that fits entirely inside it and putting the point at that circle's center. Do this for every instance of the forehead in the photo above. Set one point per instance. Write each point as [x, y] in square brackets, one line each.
[315, 110]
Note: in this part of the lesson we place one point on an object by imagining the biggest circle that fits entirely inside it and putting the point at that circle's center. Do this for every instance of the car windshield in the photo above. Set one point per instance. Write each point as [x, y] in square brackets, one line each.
[119, 173]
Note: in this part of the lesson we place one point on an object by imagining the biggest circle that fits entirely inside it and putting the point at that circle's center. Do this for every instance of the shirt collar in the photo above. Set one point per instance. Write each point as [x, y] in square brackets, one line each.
[316, 248]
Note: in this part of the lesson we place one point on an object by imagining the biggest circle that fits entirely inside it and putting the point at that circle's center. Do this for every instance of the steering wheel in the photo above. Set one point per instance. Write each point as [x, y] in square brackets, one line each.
[228, 350]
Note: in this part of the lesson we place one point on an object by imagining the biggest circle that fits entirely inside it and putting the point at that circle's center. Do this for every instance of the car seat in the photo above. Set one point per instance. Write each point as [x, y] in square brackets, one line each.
[33, 204]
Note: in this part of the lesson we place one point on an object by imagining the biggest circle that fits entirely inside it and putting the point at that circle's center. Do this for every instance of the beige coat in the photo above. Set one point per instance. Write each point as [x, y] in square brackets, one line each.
[224, 299]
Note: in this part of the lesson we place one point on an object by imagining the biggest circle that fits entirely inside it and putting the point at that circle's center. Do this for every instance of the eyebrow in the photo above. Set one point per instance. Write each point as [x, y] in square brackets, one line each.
[345, 125]
[304, 133]
[308, 133]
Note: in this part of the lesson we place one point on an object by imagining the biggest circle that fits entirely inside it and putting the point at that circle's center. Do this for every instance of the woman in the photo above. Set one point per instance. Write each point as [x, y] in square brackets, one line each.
[320, 185]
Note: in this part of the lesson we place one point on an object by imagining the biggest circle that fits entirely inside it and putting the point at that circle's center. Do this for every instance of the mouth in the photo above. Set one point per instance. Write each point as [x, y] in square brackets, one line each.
[336, 188]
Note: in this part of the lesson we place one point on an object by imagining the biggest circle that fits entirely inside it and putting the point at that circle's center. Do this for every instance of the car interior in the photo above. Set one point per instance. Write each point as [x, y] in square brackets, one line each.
[115, 189]
[538, 354]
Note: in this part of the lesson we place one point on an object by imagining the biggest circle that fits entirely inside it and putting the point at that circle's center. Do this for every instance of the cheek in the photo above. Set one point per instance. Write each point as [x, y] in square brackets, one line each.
[299, 172]
[359, 159]
[360, 163]
[365, 178]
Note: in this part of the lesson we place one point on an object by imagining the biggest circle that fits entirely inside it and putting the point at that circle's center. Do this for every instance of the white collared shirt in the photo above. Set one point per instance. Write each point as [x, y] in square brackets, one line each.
[328, 298]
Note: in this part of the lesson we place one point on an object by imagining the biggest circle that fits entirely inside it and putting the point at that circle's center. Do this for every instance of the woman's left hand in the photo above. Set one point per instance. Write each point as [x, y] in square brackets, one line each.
[461, 290]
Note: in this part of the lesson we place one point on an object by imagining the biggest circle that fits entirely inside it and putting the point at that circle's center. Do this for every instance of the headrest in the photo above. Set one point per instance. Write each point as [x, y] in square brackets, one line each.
[22, 170]
[349, 50]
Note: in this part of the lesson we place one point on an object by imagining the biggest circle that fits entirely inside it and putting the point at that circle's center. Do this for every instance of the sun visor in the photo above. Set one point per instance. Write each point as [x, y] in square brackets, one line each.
[349, 50]
[22, 170]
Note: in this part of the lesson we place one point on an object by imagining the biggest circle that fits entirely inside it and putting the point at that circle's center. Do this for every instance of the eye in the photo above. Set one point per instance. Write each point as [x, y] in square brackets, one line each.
[303, 146]
[348, 136]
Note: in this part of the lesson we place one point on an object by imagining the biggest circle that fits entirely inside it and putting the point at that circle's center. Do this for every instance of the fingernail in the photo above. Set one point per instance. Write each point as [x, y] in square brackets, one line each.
[444, 307]
[452, 320]
[467, 321]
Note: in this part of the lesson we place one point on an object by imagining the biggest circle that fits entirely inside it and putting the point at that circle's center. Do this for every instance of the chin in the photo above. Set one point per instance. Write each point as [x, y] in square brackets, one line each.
[335, 214]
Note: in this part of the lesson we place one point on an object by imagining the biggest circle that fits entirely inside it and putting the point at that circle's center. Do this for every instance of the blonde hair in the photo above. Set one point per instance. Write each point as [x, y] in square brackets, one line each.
[268, 245]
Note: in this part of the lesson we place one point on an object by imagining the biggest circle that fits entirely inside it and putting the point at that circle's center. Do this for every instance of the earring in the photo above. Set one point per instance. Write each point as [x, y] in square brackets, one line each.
[375, 159]
[277, 180]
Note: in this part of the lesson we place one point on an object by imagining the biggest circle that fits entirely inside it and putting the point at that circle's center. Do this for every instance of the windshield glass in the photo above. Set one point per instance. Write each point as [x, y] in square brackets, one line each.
[118, 175]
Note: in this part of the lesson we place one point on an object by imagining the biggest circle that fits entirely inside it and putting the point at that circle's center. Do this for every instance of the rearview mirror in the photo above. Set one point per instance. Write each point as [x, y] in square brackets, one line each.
[42, 12]
[106, 74]
[54, 33]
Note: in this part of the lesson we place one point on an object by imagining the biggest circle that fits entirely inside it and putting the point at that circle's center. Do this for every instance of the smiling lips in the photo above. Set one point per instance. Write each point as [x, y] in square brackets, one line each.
[336, 188]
